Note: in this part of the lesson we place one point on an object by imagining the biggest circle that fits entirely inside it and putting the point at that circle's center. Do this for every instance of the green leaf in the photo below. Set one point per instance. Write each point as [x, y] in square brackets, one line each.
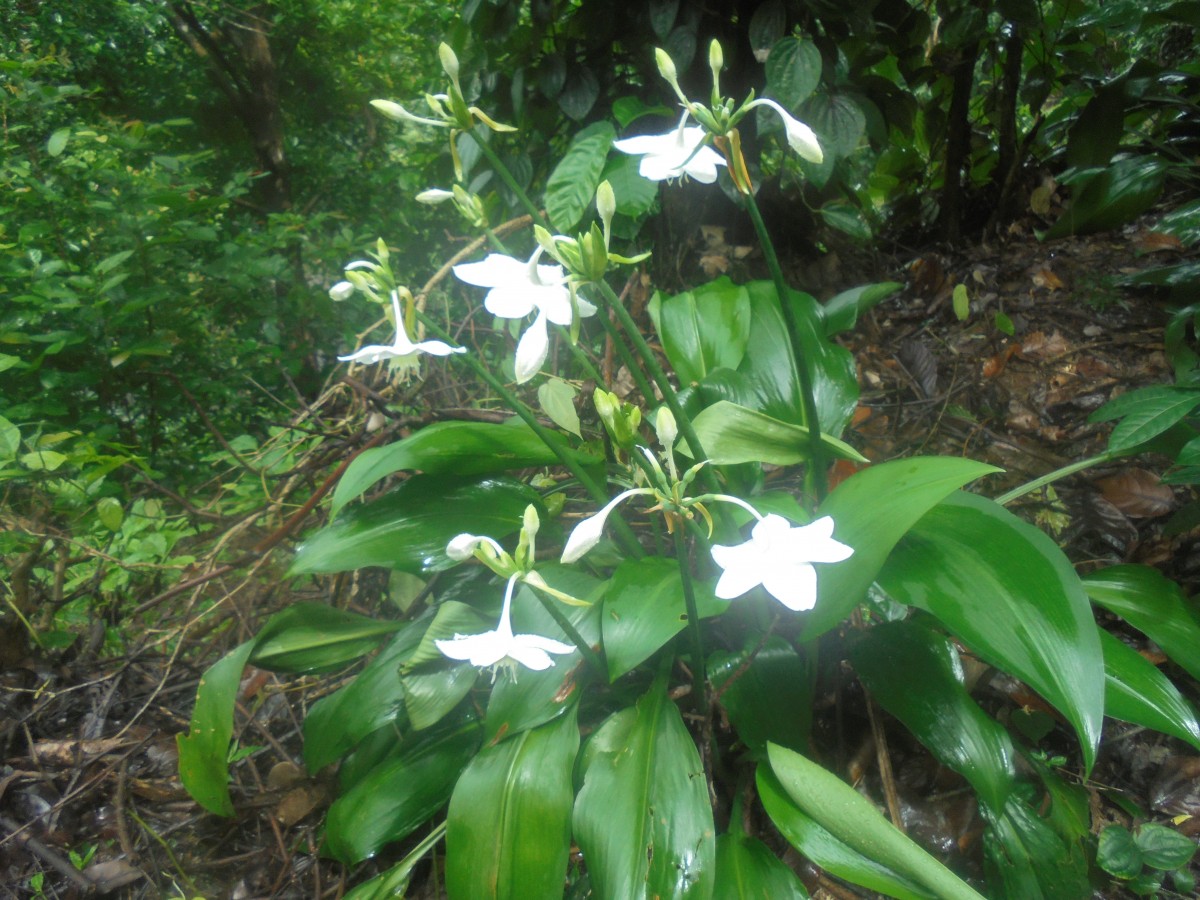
[835, 857]
[1008, 592]
[572, 185]
[10, 440]
[642, 817]
[1135, 691]
[932, 702]
[110, 513]
[1162, 847]
[1145, 414]
[557, 399]
[111, 262]
[309, 636]
[398, 796]
[58, 141]
[204, 750]
[1117, 853]
[793, 71]
[408, 527]
[1025, 858]
[872, 510]
[1111, 196]
[644, 608]
[704, 329]
[509, 825]
[838, 121]
[1154, 605]
[747, 869]
[635, 194]
[962, 303]
[853, 819]
[767, 690]
[732, 434]
[43, 460]
[460, 448]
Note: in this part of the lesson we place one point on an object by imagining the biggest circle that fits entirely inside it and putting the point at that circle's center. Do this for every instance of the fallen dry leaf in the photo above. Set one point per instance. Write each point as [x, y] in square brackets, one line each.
[1137, 493]
[1156, 242]
[1045, 278]
[1039, 346]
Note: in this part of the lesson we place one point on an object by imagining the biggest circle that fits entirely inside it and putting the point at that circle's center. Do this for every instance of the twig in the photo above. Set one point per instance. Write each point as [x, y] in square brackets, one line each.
[884, 760]
[49, 856]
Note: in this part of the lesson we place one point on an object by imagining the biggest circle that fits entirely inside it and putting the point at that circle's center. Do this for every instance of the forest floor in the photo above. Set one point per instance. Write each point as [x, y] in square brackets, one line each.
[90, 801]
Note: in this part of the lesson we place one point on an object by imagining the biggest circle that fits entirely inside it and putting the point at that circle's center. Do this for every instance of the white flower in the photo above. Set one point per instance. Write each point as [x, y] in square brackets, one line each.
[587, 533]
[518, 289]
[779, 557]
[462, 547]
[674, 154]
[402, 347]
[343, 290]
[501, 646]
[434, 196]
[800, 137]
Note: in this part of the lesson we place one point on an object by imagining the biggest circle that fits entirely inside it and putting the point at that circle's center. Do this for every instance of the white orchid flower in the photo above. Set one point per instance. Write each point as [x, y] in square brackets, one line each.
[519, 288]
[675, 154]
[501, 647]
[779, 556]
[800, 137]
[402, 347]
[586, 534]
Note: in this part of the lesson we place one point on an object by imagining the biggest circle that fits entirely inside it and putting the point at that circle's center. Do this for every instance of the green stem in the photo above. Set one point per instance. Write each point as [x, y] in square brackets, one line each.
[591, 656]
[565, 455]
[693, 614]
[507, 177]
[635, 371]
[815, 472]
[1054, 476]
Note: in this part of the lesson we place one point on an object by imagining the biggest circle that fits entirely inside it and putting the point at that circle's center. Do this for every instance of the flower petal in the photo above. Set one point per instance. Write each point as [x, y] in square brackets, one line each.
[484, 649]
[586, 534]
[372, 353]
[510, 301]
[532, 350]
[437, 348]
[793, 586]
[494, 269]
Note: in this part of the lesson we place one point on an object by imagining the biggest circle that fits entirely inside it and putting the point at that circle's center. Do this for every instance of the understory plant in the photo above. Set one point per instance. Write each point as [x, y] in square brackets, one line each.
[624, 618]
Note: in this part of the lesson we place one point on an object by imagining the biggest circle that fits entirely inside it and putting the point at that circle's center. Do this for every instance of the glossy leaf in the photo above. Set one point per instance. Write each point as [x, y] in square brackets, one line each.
[1027, 860]
[408, 527]
[1007, 591]
[748, 870]
[704, 329]
[1145, 414]
[1137, 692]
[308, 636]
[842, 311]
[732, 434]
[204, 750]
[642, 817]
[872, 510]
[831, 854]
[572, 185]
[854, 820]
[397, 797]
[509, 824]
[793, 71]
[1111, 196]
[915, 674]
[1162, 847]
[635, 194]
[461, 448]
[644, 608]
[394, 882]
[767, 691]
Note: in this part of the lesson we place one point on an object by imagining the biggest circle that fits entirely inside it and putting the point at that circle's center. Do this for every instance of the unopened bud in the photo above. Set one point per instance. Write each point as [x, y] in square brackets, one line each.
[449, 61]
[665, 427]
[434, 196]
[666, 66]
[606, 202]
[716, 57]
[343, 290]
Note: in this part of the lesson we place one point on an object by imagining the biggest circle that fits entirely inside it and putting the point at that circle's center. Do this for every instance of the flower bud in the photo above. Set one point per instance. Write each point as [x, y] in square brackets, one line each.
[530, 521]
[665, 427]
[343, 290]
[716, 57]
[449, 61]
[666, 66]
[434, 196]
[606, 203]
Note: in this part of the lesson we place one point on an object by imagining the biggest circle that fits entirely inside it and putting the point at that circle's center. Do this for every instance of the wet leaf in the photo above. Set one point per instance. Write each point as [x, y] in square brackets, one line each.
[1137, 493]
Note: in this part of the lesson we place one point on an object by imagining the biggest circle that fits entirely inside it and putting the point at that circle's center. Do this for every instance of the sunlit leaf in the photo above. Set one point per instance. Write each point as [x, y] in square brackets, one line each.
[732, 434]
[703, 329]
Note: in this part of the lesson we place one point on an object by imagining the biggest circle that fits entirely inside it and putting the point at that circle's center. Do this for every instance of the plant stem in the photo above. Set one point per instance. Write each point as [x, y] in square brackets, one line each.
[693, 614]
[1054, 476]
[506, 176]
[815, 471]
[591, 656]
[565, 455]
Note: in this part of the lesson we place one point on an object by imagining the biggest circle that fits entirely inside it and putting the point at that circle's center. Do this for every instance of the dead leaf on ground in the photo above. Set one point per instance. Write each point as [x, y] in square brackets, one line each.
[1137, 493]
[1156, 242]
[1038, 346]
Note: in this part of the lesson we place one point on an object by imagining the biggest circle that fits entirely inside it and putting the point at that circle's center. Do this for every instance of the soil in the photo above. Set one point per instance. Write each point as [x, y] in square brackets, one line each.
[90, 800]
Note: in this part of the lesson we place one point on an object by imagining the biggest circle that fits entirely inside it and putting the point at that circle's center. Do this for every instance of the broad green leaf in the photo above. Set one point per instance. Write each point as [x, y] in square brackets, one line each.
[557, 399]
[748, 870]
[635, 194]
[509, 825]
[58, 141]
[1117, 853]
[43, 460]
[408, 527]
[1135, 691]
[204, 750]
[831, 854]
[464, 449]
[1111, 196]
[10, 440]
[838, 120]
[398, 796]
[793, 71]
[732, 434]
[394, 882]
[767, 691]
[1154, 605]
[572, 185]
[337, 722]
[872, 510]
[110, 513]
[642, 817]
[1027, 860]
[1006, 590]
[111, 262]
[704, 329]
[1162, 847]
[309, 636]
[854, 820]
[1145, 414]
[644, 608]
[1098, 130]
[767, 26]
[916, 675]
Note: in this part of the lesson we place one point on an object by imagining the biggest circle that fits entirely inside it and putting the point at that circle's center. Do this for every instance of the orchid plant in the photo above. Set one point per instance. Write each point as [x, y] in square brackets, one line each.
[600, 645]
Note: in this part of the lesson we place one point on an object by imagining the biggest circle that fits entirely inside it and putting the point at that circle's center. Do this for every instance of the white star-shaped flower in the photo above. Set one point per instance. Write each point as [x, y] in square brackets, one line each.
[779, 556]
[519, 288]
[402, 347]
[675, 154]
[503, 648]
